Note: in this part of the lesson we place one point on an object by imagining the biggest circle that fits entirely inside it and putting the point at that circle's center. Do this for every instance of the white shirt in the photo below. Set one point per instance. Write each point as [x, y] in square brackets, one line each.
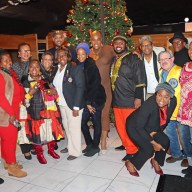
[151, 79]
[58, 83]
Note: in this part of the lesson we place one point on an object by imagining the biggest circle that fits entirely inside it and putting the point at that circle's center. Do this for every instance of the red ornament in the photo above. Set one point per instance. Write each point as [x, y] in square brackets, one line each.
[69, 34]
[84, 1]
[117, 32]
[71, 11]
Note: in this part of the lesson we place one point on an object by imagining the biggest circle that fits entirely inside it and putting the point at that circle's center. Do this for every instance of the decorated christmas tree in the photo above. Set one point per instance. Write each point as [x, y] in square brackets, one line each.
[107, 16]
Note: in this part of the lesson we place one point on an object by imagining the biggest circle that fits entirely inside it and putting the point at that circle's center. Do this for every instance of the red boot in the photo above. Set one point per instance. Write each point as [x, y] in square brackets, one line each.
[40, 156]
[51, 147]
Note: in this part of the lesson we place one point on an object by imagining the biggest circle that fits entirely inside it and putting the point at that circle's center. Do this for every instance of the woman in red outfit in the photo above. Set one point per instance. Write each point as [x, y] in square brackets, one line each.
[11, 95]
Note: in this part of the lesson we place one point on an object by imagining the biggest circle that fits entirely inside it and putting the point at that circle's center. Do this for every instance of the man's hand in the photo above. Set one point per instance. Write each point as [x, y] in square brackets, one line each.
[157, 146]
[137, 103]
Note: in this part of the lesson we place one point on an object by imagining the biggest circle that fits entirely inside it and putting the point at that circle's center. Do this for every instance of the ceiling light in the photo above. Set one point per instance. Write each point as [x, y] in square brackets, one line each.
[16, 2]
[186, 19]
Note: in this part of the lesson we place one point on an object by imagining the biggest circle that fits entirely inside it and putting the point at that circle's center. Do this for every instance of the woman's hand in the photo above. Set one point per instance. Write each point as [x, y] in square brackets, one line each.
[75, 113]
[157, 146]
[12, 119]
[34, 89]
[52, 91]
[137, 103]
[91, 109]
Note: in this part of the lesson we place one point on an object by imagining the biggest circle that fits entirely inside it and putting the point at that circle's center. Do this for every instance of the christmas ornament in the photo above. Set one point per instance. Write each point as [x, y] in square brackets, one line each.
[84, 1]
[116, 32]
[71, 11]
[126, 19]
[68, 20]
[130, 31]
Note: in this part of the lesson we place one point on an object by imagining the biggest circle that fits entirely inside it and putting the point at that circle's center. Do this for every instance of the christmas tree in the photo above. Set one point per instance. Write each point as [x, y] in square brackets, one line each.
[107, 16]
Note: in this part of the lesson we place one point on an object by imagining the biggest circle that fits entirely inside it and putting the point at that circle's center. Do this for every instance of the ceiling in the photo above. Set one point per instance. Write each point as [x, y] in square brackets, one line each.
[42, 16]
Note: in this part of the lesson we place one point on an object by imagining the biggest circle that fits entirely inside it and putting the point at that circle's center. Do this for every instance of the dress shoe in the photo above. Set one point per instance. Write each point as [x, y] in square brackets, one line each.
[154, 165]
[13, 170]
[188, 176]
[71, 157]
[188, 170]
[1, 181]
[87, 148]
[128, 164]
[173, 159]
[64, 150]
[120, 148]
[184, 163]
[27, 156]
[33, 152]
[92, 152]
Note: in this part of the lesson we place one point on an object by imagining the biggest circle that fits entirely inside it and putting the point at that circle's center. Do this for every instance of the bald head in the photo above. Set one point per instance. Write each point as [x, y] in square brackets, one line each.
[96, 40]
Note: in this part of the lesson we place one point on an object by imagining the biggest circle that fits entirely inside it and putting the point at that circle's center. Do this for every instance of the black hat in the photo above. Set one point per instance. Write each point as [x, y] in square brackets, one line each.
[178, 35]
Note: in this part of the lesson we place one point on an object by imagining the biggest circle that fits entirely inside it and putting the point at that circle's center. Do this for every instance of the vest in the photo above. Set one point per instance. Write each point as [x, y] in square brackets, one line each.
[173, 80]
[9, 88]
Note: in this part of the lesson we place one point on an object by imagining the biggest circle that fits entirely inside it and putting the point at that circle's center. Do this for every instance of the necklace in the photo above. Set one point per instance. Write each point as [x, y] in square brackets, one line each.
[96, 55]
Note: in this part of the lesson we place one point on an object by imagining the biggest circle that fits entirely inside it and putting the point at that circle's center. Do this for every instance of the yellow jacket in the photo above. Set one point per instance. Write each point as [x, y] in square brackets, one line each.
[173, 80]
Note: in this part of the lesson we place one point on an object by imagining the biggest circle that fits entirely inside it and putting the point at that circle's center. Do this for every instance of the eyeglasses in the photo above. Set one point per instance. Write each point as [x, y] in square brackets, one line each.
[147, 45]
[162, 60]
[178, 42]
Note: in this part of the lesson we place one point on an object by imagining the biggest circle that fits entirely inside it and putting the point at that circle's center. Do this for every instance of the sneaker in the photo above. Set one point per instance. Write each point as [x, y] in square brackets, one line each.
[120, 148]
[184, 163]
[173, 159]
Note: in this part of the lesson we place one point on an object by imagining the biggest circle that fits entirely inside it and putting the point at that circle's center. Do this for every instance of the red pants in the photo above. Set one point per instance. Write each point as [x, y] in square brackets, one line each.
[121, 115]
[8, 141]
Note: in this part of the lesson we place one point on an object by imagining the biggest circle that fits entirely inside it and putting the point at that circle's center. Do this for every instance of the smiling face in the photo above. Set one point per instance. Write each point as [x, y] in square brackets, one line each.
[81, 55]
[96, 40]
[34, 69]
[24, 53]
[62, 57]
[58, 40]
[146, 47]
[6, 61]
[166, 61]
[178, 44]
[162, 98]
[119, 46]
[47, 61]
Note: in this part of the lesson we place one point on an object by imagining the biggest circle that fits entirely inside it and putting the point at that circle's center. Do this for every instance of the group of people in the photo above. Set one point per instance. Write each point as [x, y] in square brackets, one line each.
[42, 102]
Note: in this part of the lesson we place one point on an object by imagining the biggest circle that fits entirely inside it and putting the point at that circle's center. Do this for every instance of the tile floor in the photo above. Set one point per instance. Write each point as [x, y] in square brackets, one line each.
[103, 173]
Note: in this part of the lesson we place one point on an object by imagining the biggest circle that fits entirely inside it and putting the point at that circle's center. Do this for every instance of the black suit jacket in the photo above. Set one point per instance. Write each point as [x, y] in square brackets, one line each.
[146, 119]
[74, 86]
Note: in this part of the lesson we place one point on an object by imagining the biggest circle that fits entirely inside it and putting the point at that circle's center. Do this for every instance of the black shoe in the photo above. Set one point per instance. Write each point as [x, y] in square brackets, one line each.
[120, 148]
[33, 152]
[188, 175]
[28, 157]
[56, 146]
[188, 170]
[1, 181]
[65, 150]
[92, 152]
[86, 149]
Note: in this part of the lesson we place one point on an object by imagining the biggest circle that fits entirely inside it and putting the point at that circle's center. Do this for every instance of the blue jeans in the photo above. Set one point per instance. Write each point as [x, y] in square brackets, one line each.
[173, 137]
[186, 138]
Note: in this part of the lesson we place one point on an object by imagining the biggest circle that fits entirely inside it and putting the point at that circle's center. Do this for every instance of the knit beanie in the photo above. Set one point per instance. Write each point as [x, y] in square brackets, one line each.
[84, 46]
[167, 87]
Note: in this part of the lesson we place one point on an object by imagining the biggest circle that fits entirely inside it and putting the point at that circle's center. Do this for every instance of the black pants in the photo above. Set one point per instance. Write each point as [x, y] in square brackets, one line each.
[26, 148]
[96, 118]
[146, 150]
